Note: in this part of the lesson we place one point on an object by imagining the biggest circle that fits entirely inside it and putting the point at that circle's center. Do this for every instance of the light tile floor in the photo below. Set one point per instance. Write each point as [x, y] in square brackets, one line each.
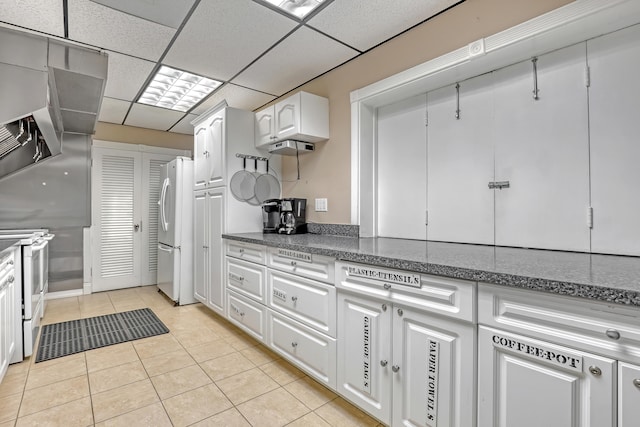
[205, 372]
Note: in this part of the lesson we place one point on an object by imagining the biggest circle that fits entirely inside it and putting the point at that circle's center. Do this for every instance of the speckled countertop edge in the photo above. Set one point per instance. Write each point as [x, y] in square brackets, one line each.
[571, 274]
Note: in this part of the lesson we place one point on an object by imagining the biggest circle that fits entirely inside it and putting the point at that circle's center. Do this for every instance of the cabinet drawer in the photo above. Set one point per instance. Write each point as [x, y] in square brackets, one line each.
[628, 395]
[304, 264]
[246, 278]
[248, 315]
[246, 251]
[307, 301]
[437, 295]
[606, 329]
[7, 264]
[312, 351]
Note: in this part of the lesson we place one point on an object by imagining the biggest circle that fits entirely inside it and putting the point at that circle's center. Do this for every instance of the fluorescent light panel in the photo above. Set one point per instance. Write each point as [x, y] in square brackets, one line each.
[299, 8]
[177, 90]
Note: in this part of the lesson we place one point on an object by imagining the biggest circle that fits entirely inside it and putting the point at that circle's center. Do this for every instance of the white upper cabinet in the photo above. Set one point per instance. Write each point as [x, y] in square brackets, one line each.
[542, 150]
[460, 162]
[402, 154]
[614, 106]
[303, 117]
[209, 151]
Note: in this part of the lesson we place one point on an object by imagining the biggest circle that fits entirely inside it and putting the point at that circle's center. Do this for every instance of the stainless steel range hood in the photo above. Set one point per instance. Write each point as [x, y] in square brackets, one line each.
[47, 88]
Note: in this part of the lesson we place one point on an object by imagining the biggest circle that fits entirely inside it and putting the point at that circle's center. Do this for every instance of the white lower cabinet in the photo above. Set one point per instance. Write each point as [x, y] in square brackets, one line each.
[209, 286]
[406, 364]
[628, 395]
[249, 315]
[307, 348]
[530, 383]
[10, 315]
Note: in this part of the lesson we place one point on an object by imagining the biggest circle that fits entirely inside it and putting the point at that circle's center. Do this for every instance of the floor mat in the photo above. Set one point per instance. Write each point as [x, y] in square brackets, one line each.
[75, 336]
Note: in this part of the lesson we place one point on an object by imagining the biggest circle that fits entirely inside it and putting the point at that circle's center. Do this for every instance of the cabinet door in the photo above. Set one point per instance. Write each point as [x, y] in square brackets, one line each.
[615, 153]
[215, 222]
[402, 154]
[529, 383]
[542, 149]
[460, 163]
[265, 124]
[434, 382]
[364, 354]
[628, 395]
[5, 325]
[216, 138]
[200, 249]
[151, 164]
[116, 192]
[287, 114]
[200, 157]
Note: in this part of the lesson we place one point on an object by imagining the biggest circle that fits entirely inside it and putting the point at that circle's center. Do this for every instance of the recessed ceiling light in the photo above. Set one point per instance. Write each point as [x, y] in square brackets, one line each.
[176, 90]
[299, 8]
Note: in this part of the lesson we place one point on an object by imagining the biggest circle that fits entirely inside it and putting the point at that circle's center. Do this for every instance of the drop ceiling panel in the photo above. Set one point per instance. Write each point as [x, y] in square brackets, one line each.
[113, 110]
[41, 15]
[166, 12]
[184, 125]
[110, 29]
[299, 58]
[365, 24]
[146, 116]
[236, 97]
[126, 76]
[222, 37]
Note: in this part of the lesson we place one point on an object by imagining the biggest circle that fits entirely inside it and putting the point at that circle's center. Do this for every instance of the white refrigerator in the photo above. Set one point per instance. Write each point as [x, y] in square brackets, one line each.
[175, 231]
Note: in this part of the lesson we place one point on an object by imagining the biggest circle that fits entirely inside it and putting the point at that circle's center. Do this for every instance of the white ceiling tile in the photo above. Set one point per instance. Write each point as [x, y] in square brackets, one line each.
[126, 75]
[113, 110]
[40, 15]
[166, 12]
[364, 24]
[299, 58]
[236, 97]
[146, 116]
[184, 125]
[110, 29]
[223, 36]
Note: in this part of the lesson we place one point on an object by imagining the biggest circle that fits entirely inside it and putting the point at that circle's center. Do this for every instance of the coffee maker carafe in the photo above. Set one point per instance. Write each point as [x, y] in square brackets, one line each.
[293, 216]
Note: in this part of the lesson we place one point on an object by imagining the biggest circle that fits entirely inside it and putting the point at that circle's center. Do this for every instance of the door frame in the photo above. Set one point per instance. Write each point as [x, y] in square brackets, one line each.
[88, 246]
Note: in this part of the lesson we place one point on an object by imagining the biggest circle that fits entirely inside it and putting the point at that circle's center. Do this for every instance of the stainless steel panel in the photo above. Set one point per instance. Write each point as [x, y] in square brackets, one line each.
[22, 91]
[66, 259]
[24, 50]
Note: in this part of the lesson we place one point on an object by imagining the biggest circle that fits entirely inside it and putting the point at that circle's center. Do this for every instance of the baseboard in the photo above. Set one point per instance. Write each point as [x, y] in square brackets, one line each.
[64, 294]
[88, 288]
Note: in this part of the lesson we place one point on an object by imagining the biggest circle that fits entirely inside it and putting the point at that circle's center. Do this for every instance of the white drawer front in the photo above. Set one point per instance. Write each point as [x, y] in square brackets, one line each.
[313, 352]
[606, 329]
[304, 264]
[248, 315]
[246, 251]
[246, 278]
[310, 302]
[439, 295]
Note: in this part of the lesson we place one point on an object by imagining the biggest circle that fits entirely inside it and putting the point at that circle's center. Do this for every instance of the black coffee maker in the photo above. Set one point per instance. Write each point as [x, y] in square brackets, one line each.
[293, 216]
[271, 216]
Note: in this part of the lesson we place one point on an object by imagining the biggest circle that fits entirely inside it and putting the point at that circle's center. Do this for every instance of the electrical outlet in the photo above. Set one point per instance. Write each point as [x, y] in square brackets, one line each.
[321, 205]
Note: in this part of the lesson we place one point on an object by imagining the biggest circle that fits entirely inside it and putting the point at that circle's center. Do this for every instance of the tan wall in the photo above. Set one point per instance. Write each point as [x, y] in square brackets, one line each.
[135, 135]
[326, 172]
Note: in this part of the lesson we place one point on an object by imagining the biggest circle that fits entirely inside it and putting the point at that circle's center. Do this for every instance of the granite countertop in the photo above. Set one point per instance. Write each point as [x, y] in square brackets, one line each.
[607, 278]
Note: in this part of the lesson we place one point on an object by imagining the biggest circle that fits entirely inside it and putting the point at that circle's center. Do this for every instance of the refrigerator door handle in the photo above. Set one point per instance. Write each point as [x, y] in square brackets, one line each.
[162, 202]
[161, 247]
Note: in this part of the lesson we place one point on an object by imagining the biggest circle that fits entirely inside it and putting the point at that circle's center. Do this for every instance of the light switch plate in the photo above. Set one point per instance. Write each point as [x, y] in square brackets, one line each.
[321, 205]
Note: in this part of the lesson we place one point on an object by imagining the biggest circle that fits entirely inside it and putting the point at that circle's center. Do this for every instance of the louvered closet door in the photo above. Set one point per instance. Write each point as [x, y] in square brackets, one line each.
[151, 164]
[116, 240]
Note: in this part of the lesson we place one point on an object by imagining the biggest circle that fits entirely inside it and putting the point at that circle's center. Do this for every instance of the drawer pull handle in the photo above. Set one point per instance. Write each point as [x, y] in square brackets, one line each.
[595, 371]
[613, 334]
[294, 299]
[395, 368]
[384, 307]
[386, 286]
[383, 363]
[10, 262]
[241, 251]
[294, 344]
[293, 264]
[400, 312]
[636, 382]
[10, 279]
